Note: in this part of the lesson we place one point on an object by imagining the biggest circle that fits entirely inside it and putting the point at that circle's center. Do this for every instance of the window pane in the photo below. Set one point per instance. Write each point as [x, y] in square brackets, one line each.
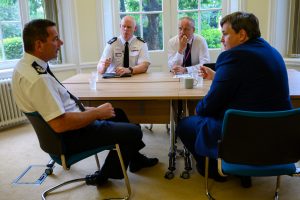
[210, 28]
[129, 5]
[37, 10]
[10, 31]
[152, 5]
[152, 29]
[149, 24]
[211, 4]
[187, 5]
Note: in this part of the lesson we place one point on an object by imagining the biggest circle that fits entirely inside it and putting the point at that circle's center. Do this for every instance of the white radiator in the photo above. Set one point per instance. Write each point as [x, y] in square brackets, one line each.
[10, 115]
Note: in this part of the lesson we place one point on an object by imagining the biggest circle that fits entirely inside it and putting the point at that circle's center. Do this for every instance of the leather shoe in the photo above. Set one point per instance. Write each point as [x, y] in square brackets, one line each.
[96, 179]
[141, 161]
[246, 181]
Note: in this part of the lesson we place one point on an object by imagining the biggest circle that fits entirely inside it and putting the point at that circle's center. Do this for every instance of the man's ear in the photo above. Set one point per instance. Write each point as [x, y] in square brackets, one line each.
[243, 35]
[38, 44]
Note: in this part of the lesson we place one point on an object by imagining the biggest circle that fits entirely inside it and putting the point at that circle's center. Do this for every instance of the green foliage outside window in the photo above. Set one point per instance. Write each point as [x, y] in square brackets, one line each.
[201, 10]
[13, 48]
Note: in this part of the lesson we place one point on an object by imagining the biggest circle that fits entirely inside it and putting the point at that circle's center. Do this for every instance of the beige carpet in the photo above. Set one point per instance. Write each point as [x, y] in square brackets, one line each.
[20, 149]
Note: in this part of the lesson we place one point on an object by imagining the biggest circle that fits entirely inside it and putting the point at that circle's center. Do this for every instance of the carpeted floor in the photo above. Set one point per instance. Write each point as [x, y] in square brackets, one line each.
[20, 149]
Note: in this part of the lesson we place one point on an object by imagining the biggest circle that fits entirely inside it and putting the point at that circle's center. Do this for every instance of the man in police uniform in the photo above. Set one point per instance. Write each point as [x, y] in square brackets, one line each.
[36, 89]
[113, 59]
[187, 51]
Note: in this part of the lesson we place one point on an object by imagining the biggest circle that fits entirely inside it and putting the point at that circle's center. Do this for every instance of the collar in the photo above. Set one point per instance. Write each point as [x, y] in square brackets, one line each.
[129, 41]
[191, 40]
[31, 58]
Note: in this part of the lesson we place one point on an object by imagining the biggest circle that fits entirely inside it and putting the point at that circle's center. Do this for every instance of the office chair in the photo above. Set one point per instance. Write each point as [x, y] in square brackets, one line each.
[259, 144]
[52, 143]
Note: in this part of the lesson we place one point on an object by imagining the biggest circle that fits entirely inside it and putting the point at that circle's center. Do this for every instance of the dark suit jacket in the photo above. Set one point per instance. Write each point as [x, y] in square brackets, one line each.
[251, 76]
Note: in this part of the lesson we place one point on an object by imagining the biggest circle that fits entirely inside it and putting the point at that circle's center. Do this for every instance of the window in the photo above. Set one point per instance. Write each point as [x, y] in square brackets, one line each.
[13, 15]
[148, 16]
[207, 15]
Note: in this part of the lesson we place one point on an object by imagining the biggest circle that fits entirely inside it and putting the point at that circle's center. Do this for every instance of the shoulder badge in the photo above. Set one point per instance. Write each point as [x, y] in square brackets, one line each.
[38, 69]
[112, 40]
[141, 39]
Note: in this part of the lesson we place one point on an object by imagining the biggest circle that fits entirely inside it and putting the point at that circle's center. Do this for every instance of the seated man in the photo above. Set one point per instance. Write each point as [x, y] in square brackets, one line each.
[36, 89]
[250, 75]
[187, 51]
[126, 54]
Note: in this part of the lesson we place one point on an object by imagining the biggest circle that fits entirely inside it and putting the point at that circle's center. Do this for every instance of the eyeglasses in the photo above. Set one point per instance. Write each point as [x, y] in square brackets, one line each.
[185, 29]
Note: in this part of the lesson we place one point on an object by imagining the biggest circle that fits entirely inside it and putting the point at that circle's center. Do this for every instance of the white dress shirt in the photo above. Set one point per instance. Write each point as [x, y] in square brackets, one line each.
[199, 52]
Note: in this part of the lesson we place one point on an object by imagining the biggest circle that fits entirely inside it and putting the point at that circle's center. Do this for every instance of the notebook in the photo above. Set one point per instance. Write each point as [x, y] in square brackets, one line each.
[114, 75]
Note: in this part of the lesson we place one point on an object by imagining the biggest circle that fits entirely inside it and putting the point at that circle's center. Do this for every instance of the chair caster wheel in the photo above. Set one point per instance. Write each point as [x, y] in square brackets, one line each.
[169, 175]
[49, 171]
[185, 175]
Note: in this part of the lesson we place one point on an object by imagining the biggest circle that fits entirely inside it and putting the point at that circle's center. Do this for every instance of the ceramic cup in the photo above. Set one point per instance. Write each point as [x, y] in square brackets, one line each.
[189, 83]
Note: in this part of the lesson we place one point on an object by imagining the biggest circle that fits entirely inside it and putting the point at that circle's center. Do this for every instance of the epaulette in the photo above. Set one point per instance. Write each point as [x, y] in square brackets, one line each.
[112, 40]
[38, 69]
[141, 39]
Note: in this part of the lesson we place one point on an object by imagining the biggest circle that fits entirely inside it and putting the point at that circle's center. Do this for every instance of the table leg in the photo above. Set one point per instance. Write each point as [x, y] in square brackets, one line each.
[172, 151]
[186, 154]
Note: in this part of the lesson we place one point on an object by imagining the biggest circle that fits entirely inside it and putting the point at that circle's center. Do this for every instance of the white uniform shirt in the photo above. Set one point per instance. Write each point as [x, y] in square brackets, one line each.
[34, 91]
[199, 53]
[138, 53]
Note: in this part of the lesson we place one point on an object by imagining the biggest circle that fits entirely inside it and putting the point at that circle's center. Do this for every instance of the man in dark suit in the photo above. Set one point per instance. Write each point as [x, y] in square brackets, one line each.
[250, 75]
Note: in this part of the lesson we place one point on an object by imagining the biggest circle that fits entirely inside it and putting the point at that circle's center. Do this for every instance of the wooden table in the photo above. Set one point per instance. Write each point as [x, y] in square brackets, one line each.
[148, 102]
[145, 77]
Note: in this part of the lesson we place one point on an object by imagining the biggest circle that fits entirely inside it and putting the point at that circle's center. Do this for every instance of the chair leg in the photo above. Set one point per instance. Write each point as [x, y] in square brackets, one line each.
[276, 196]
[63, 162]
[97, 162]
[206, 179]
[149, 127]
[124, 173]
[46, 193]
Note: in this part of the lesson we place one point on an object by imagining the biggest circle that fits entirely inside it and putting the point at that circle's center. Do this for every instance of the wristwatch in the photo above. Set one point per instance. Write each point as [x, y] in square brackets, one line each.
[131, 70]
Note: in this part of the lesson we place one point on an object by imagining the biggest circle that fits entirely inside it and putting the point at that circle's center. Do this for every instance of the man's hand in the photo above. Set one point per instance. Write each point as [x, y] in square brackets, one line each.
[122, 70]
[103, 65]
[105, 111]
[106, 62]
[206, 73]
[177, 69]
[183, 40]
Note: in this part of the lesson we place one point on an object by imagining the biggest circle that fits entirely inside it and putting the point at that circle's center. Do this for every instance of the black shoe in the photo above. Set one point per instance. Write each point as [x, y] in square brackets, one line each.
[213, 175]
[246, 181]
[96, 179]
[141, 161]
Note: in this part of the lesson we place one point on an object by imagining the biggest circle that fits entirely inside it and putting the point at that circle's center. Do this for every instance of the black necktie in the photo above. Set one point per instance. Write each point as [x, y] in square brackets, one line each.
[126, 56]
[187, 61]
[77, 101]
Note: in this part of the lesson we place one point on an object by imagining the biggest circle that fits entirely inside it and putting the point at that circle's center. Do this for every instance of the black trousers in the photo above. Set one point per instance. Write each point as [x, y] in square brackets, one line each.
[108, 132]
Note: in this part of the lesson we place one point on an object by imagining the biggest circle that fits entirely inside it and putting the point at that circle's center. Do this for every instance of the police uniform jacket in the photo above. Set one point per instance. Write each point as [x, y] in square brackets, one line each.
[114, 49]
[36, 90]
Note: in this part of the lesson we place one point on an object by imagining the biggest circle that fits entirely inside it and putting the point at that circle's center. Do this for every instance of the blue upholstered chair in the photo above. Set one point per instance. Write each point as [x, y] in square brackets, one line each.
[259, 144]
[52, 143]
